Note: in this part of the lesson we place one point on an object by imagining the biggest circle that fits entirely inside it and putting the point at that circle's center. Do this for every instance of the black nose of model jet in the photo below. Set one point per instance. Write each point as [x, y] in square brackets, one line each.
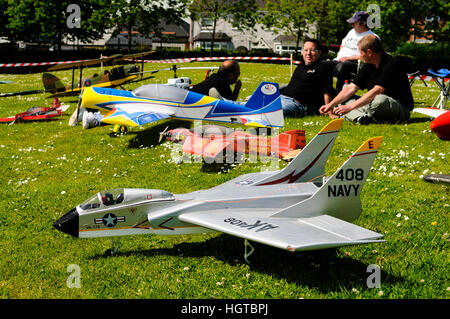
[68, 223]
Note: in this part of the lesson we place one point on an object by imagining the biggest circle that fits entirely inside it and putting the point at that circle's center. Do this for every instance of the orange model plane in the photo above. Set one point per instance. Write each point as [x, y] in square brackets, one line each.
[212, 141]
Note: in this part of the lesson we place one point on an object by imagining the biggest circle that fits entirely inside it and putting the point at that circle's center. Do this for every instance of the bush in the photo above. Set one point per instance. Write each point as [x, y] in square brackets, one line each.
[424, 56]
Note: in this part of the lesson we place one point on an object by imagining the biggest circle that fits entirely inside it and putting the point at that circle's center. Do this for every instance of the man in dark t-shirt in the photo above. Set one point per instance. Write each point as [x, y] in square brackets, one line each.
[311, 84]
[388, 99]
[218, 84]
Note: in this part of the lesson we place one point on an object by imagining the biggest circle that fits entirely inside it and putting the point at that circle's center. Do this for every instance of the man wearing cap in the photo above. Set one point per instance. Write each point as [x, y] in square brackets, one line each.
[388, 98]
[346, 61]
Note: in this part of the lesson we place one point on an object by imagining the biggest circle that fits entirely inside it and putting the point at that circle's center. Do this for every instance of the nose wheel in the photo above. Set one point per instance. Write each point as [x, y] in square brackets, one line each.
[114, 248]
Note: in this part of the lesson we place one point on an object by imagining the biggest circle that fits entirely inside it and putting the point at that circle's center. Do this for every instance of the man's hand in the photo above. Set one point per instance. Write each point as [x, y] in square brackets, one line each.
[325, 109]
[343, 109]
[237, 86]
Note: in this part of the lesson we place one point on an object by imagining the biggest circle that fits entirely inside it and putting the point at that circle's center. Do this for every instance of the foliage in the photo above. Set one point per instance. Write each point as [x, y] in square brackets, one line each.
[290, 17]
[46, 21]
[426, 56]
[240, 13]
[144, 16]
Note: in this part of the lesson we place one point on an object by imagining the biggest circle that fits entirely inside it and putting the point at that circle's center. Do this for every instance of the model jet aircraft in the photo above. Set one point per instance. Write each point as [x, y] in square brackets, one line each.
[154, 102]
[292, 209]
[213, 141]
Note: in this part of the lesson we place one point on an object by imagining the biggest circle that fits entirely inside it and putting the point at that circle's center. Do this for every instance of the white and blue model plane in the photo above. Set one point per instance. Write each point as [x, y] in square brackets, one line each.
[154, 102]
[296, 208]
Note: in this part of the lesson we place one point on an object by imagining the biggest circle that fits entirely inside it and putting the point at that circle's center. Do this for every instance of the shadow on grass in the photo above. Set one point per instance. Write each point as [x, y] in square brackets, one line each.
[326, 269]
[150, 136]
[419, 120]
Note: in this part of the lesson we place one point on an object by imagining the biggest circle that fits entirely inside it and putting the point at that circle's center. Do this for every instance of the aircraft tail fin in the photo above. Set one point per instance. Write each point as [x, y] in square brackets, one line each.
[309, 164]
[267, 93]
[52, 83]
[339, 196]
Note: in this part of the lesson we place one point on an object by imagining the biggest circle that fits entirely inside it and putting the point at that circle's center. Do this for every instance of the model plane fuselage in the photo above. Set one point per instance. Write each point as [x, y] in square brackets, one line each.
[153, 102]
[294, 208]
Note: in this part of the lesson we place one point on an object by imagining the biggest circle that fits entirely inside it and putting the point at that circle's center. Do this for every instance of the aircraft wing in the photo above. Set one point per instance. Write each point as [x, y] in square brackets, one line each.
[122, 117]
[430, 111]
[293, 234]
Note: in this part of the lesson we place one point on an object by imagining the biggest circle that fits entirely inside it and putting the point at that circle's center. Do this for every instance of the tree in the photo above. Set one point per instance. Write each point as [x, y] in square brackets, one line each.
[48, 21]
[288, 16]
[240, 13]
[145, 16]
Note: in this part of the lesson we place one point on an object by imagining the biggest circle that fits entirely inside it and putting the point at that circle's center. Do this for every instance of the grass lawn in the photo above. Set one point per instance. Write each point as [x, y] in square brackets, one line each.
[48, 168]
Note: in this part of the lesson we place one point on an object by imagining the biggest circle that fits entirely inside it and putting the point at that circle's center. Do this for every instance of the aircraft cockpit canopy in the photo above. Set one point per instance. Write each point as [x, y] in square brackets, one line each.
[124, 196]
[161, 91]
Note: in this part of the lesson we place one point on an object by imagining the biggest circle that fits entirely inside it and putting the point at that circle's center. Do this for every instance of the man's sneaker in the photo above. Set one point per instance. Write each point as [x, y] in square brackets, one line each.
[89, 120]
[365, 119]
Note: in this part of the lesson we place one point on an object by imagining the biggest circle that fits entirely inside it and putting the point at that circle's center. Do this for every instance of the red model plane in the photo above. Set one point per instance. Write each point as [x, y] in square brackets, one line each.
[37, 113]
[211, 141]
[441, 123]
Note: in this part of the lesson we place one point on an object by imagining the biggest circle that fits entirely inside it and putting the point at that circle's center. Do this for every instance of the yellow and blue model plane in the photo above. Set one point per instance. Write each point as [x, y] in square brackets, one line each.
[154, 102]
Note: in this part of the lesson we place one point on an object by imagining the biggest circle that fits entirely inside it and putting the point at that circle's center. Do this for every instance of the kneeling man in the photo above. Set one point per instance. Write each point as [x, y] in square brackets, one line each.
[388, 99]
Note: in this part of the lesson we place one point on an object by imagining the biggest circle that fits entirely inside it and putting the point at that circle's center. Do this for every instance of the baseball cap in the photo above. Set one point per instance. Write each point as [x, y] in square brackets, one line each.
[358, 16]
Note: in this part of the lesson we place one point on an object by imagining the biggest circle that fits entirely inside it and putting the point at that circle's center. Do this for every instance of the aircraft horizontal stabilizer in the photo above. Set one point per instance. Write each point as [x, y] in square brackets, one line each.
[121, 117]
[430, 111]
[293, 234]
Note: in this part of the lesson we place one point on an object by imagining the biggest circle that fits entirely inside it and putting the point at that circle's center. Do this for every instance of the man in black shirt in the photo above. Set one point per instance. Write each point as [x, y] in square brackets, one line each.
[218, 84]
[388, 99]
[311, 84]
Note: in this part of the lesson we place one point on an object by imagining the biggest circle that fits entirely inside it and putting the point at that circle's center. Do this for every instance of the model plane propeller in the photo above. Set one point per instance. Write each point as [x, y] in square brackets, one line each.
[293, 209]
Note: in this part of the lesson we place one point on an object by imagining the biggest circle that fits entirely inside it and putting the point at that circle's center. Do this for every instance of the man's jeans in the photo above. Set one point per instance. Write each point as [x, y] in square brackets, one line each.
[291, 108]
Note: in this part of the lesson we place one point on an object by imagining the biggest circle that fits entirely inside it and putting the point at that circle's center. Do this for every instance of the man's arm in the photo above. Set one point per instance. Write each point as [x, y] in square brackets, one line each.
[349, 58]
[368, 97]
[237, 88]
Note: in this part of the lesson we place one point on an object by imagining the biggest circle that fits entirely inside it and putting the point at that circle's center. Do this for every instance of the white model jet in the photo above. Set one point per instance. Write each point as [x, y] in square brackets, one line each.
[294, 209]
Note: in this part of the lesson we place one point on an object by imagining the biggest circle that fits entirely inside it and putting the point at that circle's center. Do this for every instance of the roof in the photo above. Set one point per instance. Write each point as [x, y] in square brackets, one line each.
[207, 36]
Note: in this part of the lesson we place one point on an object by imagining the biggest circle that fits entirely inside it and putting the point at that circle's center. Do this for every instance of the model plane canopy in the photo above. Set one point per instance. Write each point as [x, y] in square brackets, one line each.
[124, 196]
[161, 92]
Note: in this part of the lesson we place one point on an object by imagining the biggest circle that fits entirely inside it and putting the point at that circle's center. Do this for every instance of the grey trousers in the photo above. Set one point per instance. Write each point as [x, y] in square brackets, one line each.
[383, 109]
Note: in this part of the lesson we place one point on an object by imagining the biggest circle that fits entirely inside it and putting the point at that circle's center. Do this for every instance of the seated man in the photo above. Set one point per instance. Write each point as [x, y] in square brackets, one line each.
[388, 99]
[311, 84]
[346, 62]
[218, 84]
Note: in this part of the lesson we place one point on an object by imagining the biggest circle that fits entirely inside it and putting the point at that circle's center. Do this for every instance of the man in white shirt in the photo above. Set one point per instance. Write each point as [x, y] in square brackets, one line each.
[346, 62]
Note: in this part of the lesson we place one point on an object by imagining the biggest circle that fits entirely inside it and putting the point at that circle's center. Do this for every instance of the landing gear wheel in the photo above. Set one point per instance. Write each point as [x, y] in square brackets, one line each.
[118, 130]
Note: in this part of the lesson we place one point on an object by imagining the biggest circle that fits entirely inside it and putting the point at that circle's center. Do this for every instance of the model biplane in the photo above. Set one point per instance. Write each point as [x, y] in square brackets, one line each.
[211, 141]
[293, 209]
[37, 113]
[154, 102]
[116, 76]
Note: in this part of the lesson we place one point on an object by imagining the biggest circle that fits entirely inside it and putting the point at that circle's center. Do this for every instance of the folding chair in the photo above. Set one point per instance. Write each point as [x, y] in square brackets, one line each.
[413, 76]
[439, 77]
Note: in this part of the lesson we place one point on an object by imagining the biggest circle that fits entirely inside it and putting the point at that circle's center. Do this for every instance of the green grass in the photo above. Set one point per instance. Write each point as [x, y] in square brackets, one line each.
[48, 168]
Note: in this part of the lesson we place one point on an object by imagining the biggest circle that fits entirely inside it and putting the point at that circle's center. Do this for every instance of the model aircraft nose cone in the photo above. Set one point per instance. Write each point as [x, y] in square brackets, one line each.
[68, 223]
